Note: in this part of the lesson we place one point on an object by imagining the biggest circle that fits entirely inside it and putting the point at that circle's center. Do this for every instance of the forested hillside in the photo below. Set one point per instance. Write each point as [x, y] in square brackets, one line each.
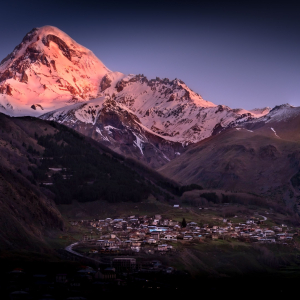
[83, 173]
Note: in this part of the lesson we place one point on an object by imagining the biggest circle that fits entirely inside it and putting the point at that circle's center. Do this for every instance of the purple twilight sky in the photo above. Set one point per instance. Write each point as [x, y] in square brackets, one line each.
[237, 53]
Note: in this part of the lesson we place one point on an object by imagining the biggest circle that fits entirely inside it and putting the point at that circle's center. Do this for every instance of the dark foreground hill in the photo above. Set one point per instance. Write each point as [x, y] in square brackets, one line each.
[26, 213]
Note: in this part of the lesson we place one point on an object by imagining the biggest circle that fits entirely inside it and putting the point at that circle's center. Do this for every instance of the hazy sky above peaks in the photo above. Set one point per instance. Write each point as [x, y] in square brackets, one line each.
[237, 53]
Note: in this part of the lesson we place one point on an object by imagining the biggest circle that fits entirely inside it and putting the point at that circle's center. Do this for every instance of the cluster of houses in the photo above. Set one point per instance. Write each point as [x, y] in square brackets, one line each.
[155, 234]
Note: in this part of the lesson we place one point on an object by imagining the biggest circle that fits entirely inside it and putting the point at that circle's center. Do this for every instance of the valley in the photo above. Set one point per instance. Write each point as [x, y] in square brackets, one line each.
[46, 156]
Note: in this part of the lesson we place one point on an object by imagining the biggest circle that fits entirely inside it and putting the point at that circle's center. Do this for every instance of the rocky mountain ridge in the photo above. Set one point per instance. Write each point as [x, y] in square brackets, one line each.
[171, 109]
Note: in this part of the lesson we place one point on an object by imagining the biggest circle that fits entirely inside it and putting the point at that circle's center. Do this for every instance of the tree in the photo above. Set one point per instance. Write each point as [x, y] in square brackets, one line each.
[183, 223]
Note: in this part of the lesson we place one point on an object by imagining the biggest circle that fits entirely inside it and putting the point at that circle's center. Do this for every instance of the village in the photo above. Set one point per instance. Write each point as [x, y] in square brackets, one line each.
[156, 234]
[142, 253]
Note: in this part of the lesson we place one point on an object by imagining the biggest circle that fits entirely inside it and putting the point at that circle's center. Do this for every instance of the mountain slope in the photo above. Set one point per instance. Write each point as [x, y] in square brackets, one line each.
[260, 156]
[43, 162]
[55, 162]
[47, 70]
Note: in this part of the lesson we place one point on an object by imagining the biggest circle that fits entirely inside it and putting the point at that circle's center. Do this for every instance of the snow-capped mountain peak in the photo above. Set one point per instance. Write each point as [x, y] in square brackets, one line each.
[283, 112]
[50, 69]
[50, 75]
